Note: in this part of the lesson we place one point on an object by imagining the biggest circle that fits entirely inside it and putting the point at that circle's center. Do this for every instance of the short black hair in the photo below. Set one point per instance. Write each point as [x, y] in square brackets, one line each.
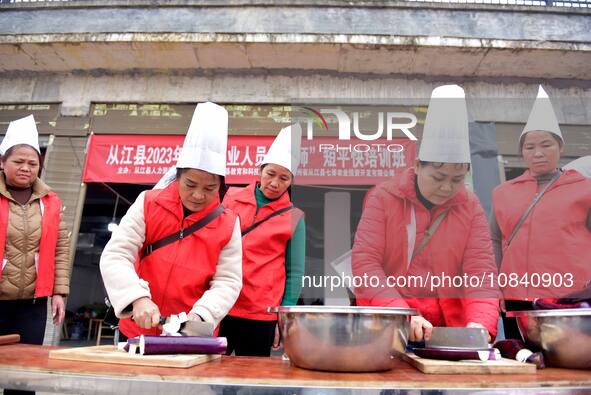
[438, 165]
[265, 165]
[556, 137]
[290, 184]
[223, 186]
[10, 151]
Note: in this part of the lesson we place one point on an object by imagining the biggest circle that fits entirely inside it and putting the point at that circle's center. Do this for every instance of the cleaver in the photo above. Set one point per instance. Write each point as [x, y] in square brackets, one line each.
[463, 338]
[186, 328]
[197, 328]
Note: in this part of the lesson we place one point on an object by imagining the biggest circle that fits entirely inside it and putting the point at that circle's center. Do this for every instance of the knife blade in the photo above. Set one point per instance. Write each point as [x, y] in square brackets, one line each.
[197, 328]
[187, 328]
[458, 337]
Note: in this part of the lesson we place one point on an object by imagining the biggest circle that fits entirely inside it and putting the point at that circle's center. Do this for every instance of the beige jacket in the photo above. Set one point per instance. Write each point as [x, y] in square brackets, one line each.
[23, 238]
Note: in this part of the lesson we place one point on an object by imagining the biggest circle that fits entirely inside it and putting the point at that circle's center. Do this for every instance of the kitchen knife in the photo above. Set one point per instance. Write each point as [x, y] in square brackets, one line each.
[186, 328]
[197, 328]
[458, 337]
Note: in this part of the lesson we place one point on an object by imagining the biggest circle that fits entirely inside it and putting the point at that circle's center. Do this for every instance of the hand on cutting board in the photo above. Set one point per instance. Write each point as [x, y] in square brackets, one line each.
[420, 328]
[145, 313]
[58, 309]
[477, 325]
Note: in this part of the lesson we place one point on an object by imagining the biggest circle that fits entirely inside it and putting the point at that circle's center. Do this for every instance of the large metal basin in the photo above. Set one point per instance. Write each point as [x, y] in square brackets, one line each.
[563, 335]
[344, 339]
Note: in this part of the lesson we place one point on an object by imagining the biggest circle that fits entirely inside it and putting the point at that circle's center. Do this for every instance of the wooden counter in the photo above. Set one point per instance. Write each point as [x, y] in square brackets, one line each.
[28, 367]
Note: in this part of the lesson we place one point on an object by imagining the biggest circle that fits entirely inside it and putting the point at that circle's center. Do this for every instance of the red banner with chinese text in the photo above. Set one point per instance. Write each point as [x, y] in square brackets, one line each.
[143, 159]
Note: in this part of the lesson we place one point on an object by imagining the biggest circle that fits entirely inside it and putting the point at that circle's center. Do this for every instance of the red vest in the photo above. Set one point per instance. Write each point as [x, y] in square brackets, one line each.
[553, 239]
[178, 274]
[49, 231]
[263, 252]
[460, 245]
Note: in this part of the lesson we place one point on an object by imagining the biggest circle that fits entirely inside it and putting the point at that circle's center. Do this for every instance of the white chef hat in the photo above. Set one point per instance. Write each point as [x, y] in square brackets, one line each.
[205, 145]
[542, 116]
[207, 140]
[21, 131]
[285, 150]
[445, 135]
[582, 165]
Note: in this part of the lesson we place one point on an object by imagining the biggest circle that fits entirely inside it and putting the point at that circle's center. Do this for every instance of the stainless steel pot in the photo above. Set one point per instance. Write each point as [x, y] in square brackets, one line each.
[563, 335]
[344, 339]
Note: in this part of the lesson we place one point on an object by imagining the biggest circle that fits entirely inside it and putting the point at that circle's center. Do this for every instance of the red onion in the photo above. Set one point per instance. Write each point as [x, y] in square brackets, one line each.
[515, 349]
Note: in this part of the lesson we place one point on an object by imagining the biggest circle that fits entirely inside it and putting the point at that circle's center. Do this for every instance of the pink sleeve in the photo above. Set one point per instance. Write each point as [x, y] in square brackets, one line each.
[368, 255]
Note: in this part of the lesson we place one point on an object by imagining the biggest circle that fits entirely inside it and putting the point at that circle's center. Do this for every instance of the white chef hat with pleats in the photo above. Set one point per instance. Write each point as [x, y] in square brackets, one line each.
[205, 146]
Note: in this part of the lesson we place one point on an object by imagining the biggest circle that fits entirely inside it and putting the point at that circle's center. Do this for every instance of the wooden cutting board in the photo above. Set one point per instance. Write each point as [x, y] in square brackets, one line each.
[436, 366]
[110, 354]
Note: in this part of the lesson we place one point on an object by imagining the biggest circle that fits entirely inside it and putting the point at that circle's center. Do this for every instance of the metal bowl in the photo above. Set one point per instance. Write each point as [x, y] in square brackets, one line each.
[344, 339]
[563, 335]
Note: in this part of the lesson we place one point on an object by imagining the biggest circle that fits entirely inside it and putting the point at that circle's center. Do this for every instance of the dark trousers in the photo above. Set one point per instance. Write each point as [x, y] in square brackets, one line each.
[26, 318]
[246, 337]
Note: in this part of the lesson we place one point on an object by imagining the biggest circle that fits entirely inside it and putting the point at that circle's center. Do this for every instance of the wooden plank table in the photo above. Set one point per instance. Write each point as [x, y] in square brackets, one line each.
[28, 367]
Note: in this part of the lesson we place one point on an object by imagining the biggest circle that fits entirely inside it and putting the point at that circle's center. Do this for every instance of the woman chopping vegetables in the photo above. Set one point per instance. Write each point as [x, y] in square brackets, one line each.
[273, 244]
[425, 222]
[541, 220]
[177, 249]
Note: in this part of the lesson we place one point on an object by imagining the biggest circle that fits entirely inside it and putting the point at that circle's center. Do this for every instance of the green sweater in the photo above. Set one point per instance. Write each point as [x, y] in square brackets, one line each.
[295, 257]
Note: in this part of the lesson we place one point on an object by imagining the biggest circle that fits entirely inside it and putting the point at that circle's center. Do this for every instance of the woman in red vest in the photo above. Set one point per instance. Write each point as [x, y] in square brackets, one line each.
[273, 244]
[541, 222]
[424, 225]
[149, 275]
[34, 243]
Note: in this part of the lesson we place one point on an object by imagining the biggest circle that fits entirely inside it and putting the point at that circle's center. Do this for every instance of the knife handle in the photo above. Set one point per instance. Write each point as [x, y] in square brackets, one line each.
[9, 339]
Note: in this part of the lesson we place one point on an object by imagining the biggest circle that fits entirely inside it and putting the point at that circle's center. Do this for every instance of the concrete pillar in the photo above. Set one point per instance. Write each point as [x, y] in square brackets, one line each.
[337, 240]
